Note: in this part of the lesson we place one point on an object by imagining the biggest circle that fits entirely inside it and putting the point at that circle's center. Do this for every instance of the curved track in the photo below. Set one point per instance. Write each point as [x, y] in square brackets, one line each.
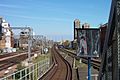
[61, 69]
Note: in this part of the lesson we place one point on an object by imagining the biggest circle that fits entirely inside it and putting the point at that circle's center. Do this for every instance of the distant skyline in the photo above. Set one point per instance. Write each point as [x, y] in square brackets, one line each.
[54, 18]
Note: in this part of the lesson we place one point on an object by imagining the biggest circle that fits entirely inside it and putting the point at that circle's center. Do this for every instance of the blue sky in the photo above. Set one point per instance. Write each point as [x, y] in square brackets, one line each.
[54, 18]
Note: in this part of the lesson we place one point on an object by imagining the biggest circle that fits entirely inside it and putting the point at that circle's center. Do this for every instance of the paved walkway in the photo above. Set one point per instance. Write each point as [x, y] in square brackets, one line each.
[83, 72]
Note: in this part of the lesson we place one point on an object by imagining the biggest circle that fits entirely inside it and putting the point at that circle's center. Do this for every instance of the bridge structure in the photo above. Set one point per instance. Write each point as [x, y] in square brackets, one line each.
[110, 64]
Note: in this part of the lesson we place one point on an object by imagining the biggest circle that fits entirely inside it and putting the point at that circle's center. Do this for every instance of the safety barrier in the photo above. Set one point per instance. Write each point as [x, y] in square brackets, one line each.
[33, 72]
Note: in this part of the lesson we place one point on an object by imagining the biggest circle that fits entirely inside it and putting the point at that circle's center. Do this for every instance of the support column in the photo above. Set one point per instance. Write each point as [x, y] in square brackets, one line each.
[89, 68]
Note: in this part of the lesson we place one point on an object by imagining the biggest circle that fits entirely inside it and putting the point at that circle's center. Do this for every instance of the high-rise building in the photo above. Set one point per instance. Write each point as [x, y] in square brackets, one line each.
[86, 25]
[102, 36]
[76, 26]
[0, 28]
[0, 20]
[7, 37]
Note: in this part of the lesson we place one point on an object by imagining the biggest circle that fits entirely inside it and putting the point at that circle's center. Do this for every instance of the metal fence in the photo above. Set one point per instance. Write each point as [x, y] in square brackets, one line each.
[33, 72]
[118, 37]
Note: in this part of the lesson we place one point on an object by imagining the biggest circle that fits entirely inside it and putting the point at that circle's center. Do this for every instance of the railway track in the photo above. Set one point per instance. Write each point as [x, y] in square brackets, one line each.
[61, 69]
[11, 59]
[94, 62]
[7, 55]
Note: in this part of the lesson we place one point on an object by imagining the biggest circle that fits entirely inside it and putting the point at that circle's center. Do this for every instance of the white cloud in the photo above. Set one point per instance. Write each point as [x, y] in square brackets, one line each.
[10, 6]
[38, 18]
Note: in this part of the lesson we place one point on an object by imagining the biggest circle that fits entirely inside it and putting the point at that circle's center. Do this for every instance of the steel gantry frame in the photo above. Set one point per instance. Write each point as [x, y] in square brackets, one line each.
[110, 66]
[30, 38]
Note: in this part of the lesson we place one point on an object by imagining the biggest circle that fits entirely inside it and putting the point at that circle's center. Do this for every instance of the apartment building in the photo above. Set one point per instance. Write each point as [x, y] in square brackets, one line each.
[7, 40]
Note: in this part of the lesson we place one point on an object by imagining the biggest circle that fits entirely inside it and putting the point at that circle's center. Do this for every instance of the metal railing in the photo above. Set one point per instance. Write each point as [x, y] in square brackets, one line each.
[33, 72]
